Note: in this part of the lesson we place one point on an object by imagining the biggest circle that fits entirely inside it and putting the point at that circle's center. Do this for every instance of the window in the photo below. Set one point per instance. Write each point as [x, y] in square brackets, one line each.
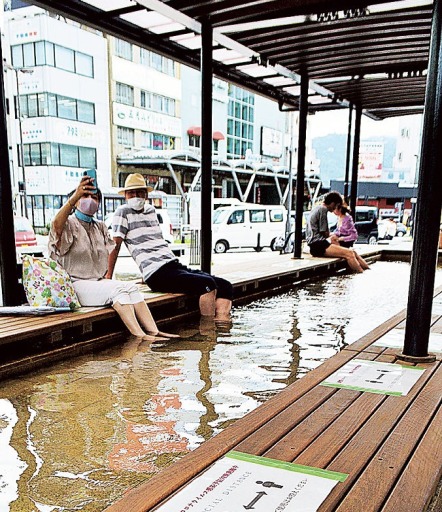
[64, 58]
[257, 215]
[236, 217]
[158, 62]
[194, 141]
[48, 104]
[276, 216]
[44, 53]
[157, 141]
[45, 153]
[239, 122]
[125, 94]
[123, 49]
[125, 136]
[157, 103]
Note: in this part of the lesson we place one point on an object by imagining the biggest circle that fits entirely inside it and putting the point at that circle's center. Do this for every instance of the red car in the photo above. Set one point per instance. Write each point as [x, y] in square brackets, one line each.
[24, 232]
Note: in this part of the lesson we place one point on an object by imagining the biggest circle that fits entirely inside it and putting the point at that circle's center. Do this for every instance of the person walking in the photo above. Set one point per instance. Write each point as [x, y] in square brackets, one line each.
[135, 223]
[81, 245]
[318, 237]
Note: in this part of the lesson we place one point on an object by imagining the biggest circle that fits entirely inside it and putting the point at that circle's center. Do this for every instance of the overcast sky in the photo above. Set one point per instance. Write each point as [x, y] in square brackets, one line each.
[336, 121]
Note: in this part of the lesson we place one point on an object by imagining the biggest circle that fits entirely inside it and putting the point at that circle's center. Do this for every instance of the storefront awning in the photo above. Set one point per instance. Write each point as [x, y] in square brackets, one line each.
[218, 136]
[194, 130]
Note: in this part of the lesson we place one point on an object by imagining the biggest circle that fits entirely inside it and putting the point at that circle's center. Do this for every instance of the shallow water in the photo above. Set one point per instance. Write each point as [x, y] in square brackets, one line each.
[79, 434]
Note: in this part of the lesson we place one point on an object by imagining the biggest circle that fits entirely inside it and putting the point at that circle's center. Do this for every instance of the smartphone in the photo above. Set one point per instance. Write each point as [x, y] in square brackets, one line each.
[92, 173]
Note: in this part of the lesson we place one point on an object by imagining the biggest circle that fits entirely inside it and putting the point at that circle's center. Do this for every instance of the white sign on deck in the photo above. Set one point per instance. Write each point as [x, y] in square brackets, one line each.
[239, 482]
[375, 377]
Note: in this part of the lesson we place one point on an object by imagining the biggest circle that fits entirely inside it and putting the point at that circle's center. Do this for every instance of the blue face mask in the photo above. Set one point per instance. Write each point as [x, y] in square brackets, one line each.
[82, 216]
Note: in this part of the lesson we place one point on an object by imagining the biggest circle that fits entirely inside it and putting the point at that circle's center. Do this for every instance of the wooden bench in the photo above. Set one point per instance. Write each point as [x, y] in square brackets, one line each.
[391, 447]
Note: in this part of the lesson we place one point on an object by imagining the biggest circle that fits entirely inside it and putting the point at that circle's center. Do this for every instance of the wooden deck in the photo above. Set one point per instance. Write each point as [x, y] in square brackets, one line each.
[29, 341]
[390, 446]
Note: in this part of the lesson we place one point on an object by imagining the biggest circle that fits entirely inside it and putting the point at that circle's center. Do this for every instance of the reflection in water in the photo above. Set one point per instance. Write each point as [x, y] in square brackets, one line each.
[76, 436]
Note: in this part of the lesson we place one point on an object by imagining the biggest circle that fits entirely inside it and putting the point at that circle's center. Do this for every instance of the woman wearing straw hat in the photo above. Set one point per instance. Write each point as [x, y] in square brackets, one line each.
[81, 245]
[135, 223]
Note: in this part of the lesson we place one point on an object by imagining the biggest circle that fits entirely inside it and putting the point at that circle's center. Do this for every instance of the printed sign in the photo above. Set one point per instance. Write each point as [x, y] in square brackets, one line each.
[395, 339]
[371, 156]
[240, 482]
[375, 377]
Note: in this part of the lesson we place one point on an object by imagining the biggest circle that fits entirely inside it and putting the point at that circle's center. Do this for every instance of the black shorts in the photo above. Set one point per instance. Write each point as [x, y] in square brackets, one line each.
[318, 248]
[177, 278]
[343, 243]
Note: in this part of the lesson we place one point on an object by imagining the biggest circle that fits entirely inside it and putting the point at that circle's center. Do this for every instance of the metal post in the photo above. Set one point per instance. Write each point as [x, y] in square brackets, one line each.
[206, 145]
[347, 158]
[428, 207]
[288, 226]
[300, 175]
[8, 259]
[355, 164]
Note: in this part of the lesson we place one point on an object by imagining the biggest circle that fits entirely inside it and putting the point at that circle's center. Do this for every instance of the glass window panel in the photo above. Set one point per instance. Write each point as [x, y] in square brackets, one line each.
[230, 145]
[144, 56]
[237, 147]
[237, 129]
[123, 49]
[35, 154]
[245, 131]
[251, 115]
[52, 105]
[32, 106]
[50, 57]
[88, 157]
[22, 107]
[17, 56]
[157, 141]
[257, 215]
[42, 104]
[84, 64]
[55, 154]
[69, 155]
[28, 55]
[40, 57]
[45, 153]
[26, 154]
[64, 58]
[67, 108]
[250, 132]
[86, 112]
[230, 126]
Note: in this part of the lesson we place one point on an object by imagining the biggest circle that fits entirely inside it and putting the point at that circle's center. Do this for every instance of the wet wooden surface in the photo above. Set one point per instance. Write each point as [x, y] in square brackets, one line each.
[390, 446]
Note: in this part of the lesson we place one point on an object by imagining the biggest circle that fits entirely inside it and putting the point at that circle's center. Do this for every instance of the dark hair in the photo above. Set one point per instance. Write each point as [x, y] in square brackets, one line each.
[333, 197]
[344, 208]
[99, 194]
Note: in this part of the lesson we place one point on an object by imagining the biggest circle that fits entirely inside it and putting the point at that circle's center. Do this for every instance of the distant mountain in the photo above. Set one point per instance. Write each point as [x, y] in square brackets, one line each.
[331, 152]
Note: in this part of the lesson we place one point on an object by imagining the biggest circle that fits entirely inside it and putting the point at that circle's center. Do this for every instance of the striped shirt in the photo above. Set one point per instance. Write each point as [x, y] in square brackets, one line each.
[142, 235]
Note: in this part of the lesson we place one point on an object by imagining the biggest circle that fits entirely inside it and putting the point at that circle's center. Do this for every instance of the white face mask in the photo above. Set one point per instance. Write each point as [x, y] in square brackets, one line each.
[137, 203]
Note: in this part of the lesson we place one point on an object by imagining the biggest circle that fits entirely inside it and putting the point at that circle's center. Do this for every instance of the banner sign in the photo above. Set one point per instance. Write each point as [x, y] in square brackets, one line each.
[375, 377]
[239, 482]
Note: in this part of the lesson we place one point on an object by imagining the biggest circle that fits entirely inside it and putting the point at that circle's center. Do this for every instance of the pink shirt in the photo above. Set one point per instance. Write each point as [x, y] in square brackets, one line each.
[346, 228]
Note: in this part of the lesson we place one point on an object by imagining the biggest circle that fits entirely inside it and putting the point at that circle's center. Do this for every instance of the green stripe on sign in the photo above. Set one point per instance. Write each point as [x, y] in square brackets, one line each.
[297, 468]
[357, 388]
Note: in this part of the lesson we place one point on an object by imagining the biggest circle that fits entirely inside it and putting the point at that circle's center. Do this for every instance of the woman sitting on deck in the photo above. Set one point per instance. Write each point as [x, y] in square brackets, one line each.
[318, 235]
[345, 232]
[81, 245]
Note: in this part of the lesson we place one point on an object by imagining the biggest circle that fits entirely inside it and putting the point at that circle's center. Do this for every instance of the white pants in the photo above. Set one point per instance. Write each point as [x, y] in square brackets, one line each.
[107, 291]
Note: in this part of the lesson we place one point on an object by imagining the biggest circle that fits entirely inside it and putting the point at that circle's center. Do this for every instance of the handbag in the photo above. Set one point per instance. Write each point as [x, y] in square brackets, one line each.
[46, 283]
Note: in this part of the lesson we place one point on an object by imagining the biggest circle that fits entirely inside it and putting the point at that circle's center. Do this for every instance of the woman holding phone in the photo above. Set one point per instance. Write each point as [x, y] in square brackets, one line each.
[81, 245]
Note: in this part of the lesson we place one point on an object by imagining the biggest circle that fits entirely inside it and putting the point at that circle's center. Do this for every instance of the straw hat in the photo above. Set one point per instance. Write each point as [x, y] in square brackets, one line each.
[133, 182]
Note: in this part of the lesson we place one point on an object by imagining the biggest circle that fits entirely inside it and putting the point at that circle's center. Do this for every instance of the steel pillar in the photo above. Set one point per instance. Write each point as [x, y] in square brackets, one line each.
[206, 145]
[8, 258]
[355, 163]
[347, 157]
[300, 175]
[428, 205]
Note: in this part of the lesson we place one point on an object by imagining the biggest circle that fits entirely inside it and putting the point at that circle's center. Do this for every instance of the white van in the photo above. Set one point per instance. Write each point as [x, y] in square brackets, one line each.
[247, 225]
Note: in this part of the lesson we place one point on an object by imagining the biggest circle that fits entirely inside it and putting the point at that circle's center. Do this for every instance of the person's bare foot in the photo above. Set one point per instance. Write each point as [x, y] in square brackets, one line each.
[161, 333]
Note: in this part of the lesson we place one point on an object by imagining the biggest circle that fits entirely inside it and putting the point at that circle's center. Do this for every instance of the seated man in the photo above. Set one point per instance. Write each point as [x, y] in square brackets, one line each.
[318, 236]
[137, 225]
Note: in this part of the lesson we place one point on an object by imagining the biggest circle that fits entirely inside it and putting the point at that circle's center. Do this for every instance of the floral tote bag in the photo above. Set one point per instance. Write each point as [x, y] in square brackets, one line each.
[48, 284]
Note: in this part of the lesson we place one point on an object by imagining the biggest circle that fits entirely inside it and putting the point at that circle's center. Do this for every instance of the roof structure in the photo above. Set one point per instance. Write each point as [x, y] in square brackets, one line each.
[369, 54]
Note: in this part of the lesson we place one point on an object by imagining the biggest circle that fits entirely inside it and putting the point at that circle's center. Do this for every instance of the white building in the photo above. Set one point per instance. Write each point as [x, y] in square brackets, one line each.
[61, 126]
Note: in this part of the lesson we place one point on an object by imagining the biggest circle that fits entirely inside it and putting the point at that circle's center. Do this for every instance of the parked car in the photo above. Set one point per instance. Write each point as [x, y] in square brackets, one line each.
[401, 229]
[24, 232]
[366, 223]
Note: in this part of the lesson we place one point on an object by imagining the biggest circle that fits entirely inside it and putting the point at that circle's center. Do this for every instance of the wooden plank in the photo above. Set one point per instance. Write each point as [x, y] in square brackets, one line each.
[303, 444]
[419, 480]
[152, 492]
[370, 490]
[362, 448]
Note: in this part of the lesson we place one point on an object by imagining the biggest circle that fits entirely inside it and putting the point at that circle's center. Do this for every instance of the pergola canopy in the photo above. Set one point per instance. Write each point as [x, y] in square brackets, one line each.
[370, 54]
